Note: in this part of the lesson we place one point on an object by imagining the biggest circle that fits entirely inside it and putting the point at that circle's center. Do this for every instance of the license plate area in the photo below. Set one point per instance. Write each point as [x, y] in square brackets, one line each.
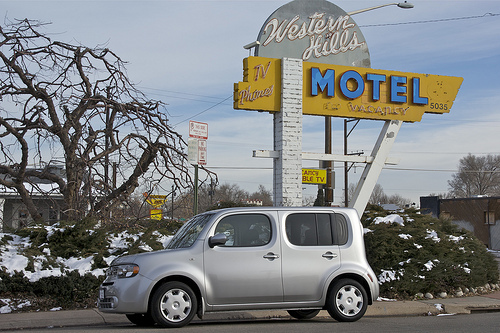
[102, 293]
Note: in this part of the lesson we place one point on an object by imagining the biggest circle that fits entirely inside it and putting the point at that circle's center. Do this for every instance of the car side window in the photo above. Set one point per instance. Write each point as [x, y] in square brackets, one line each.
[245, 230]
[311, 229]
[340, 229]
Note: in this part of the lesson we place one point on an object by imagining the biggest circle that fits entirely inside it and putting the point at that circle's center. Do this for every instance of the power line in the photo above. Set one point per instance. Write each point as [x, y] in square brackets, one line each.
[430, 21]
[207, 109]
[190, 98]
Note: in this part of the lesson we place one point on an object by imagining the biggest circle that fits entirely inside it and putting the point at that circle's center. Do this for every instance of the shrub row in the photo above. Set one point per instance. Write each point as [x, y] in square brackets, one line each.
[426, 255]
[423, 255]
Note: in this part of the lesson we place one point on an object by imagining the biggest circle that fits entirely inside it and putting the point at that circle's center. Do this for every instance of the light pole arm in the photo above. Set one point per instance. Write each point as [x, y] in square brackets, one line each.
[405, 5]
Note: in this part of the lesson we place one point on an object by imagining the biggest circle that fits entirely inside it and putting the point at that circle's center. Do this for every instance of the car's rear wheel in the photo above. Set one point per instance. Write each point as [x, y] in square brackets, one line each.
[347, 300]
[303, 314]
[141, 319]
[173, 305]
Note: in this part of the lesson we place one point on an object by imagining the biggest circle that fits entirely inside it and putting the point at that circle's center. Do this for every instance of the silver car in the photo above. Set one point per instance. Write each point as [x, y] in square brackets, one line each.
[298, 259]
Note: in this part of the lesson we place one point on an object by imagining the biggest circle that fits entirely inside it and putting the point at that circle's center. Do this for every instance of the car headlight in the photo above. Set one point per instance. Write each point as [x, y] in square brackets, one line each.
[123, 271]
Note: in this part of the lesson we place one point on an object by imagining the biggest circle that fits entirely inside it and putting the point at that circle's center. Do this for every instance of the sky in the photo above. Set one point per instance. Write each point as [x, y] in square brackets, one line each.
[189, 54]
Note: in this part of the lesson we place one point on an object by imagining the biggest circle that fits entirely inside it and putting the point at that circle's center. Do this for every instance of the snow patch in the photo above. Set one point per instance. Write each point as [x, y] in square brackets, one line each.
[433, 235]
[389, 219]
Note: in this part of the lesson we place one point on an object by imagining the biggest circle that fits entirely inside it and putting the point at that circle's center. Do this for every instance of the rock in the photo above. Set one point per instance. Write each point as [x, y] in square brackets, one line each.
[443, 294]
[429, 296]
[459, 293]
[466, 290]
[419, 295]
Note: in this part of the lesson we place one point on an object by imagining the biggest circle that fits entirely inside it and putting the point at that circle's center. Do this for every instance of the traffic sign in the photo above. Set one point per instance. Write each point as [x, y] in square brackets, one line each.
[198, 130]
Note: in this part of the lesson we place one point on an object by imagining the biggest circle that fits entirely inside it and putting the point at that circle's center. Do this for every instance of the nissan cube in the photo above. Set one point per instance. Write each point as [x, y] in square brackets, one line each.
[301, 260]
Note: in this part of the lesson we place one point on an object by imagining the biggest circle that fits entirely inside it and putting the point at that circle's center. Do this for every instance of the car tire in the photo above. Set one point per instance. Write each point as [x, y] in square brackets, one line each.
[303, 314]
[173, 305]
[347, 300]
[141, 319]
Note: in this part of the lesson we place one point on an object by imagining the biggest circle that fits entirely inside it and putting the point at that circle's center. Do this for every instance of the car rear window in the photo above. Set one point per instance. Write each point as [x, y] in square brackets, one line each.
[316, 229]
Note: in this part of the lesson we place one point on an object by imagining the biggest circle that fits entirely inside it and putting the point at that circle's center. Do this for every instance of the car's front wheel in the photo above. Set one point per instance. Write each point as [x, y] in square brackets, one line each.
[303, 314]
[347, 300]
[173, 305]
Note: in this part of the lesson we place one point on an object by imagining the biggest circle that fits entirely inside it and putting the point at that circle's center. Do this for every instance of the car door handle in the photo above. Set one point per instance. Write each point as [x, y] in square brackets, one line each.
[329, 255]
[271, 256]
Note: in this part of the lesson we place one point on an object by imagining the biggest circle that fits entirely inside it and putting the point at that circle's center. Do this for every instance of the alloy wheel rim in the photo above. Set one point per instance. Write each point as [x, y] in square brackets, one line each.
[175, 305]
[349, 300]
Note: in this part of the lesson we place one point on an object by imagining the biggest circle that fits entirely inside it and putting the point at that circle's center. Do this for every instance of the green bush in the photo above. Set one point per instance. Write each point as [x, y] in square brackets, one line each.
[426, 255]
[69, 291]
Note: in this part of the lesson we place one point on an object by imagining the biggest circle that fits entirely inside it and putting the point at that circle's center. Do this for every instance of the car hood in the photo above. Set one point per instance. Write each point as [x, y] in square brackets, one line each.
[132, 258]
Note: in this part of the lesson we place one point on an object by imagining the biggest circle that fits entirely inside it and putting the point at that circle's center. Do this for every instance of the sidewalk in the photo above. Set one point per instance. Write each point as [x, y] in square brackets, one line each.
[463, 305]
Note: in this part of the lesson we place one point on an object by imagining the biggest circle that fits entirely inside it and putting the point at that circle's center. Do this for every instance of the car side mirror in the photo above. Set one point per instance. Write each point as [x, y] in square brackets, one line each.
[216, 240]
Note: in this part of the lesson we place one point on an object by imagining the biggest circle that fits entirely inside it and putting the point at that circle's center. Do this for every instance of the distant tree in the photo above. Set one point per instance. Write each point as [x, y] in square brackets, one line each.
[76, 104]
[378, 196]
[399, 200]
[477, 175]
[263, 195]
[222, 196]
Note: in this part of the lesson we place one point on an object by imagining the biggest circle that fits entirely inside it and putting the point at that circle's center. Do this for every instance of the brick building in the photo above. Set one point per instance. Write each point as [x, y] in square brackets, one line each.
[480, 215]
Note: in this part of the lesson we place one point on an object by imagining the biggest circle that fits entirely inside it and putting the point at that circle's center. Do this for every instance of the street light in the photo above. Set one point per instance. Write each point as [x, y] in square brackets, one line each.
[404, 5]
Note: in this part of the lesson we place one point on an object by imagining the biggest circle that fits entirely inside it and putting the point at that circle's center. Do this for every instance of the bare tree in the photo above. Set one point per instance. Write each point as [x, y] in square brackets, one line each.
[378, 196]
[263, 195]
[477, 175]
[71, 100]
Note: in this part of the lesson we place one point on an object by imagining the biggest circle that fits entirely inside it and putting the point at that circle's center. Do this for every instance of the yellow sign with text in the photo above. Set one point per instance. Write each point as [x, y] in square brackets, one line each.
[261, 86]
[313, 176]
[155, 200]
[156, 214]
[349, 92]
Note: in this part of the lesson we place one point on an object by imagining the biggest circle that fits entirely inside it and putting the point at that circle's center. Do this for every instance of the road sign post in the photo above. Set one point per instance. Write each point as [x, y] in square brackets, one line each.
[197, 153]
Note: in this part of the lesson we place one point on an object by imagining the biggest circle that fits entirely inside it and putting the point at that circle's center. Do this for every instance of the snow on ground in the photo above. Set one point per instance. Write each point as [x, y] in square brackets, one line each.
[12, 259]
[11, 306]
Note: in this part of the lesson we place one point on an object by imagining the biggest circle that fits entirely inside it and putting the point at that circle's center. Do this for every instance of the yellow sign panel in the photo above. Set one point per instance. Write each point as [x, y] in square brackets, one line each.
[352, 92]
[156, 214]
[155, 200]
[261, 86]
[314, 176]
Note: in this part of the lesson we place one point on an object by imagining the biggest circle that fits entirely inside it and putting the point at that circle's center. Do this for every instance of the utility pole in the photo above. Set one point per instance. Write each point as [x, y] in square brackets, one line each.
[106, 141]
[173, 196]
[107, 133]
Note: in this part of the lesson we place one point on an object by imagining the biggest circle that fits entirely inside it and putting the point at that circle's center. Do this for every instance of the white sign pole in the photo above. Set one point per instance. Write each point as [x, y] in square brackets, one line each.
[197, 153]
[287, 170]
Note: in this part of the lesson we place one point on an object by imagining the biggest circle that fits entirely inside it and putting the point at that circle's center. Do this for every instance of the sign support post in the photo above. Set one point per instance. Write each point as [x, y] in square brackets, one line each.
[372, 170]
[195, 203]
[287, 170]
[197, 153]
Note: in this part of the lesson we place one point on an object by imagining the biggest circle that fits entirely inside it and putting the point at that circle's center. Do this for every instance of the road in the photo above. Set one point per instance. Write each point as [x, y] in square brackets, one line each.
[480, 322]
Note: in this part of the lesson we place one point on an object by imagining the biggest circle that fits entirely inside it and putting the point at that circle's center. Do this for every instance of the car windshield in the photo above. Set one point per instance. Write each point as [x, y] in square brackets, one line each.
[189, 232]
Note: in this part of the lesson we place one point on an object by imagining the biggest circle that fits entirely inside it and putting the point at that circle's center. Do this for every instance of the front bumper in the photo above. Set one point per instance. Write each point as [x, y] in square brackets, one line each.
[127, 295]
